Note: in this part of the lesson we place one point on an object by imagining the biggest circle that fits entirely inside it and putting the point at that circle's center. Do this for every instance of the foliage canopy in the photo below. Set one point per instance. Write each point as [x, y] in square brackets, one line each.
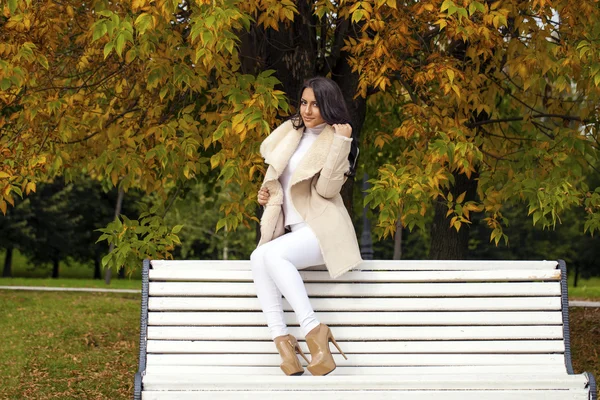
[150, 94]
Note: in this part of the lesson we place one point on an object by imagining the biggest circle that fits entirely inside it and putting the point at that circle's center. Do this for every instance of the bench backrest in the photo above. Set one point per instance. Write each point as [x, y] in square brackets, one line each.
[389, 317]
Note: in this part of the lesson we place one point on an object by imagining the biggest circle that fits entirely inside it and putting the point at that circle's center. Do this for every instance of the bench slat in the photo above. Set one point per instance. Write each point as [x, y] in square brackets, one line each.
[362, 304]
[335, 383]
[361, 318]
[365, 289]
[198, 274]
[369, 265]
[361, 359]
[235, 347]
[365, 333]
[379, 395]
[343, 370]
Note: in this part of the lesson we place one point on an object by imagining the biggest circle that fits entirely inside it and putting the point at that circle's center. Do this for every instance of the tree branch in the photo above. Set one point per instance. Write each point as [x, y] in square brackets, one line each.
[540, 115]
[108, 123]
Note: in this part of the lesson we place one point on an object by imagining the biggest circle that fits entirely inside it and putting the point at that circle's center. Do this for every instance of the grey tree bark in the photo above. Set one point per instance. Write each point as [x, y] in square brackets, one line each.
[7, 270]
[108, 271]
[398, 241]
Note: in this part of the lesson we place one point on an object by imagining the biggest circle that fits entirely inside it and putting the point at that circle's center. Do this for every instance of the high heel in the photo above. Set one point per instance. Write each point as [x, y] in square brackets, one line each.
[318, 339]
[288, 346]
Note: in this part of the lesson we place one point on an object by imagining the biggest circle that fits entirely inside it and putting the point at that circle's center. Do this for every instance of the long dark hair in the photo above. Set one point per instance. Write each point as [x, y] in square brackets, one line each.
[332, 107]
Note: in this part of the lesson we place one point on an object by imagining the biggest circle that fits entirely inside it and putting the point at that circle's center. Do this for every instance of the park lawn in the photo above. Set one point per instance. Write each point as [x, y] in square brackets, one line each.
[585, 339]
[587, 289]
[73, 283]
[65, 345]
[21, 267]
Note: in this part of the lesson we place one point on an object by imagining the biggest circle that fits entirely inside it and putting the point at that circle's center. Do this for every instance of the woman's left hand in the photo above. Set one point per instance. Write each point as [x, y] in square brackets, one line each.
[343, 129]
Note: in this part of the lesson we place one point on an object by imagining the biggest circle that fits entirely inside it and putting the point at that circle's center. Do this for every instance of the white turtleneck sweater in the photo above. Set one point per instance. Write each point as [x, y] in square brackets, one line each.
[308, 138]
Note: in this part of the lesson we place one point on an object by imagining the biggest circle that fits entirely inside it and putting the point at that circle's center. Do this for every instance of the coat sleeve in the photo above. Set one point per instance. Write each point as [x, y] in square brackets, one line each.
[332, 177]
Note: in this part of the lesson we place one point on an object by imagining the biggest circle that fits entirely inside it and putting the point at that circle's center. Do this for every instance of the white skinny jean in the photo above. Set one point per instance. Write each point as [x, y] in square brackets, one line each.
[275, 266]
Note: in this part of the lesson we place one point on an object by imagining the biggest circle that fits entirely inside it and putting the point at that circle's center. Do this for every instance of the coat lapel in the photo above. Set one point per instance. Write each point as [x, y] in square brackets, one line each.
[312, 162]
[280, 155]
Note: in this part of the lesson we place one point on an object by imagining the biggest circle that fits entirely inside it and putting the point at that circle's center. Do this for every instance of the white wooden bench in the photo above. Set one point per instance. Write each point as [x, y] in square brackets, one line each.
[412, 330]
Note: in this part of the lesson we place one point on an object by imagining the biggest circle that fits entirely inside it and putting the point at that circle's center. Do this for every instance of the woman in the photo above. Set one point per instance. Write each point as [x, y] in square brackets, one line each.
[305, 222]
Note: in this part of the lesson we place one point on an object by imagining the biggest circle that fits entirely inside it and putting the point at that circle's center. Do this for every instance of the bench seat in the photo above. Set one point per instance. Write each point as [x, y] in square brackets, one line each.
[411, 330]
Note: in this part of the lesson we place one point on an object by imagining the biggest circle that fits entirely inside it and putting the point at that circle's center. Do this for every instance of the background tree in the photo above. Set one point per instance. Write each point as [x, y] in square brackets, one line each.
[197, 210]
[15, 234]
[498, 102]
[53, 226]
[498, 105]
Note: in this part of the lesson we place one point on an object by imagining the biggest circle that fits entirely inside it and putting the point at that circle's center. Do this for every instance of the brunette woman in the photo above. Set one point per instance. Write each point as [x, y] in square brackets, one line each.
[305, 222]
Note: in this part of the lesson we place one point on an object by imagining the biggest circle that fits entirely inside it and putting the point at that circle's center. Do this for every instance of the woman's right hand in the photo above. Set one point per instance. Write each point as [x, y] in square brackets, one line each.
[263, 196]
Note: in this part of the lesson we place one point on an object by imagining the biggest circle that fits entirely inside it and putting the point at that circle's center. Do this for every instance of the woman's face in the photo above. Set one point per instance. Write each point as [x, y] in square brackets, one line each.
[309, 109]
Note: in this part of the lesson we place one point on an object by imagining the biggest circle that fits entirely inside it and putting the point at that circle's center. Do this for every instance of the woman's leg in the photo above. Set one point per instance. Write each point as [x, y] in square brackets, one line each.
[268, 295]
[275, 266]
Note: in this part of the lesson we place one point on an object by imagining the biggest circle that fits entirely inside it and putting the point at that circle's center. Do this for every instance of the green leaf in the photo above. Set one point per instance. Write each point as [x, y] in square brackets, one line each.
[106, 259]
[99, 30]
[221, 224]
[108, 47]
[472, 8]
[357, 15]
[214, 160]
[5, 84]
[12, 6]
[219, 133]
[476, 6]
[536, 217]
[210, 21]
[43, 61]
[176, 229]
[104, 13]
[120, 44]
[446, 5]
[143, 22]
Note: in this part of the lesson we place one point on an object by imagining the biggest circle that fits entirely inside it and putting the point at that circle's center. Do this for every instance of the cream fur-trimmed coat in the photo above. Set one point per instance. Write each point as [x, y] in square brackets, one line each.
[315, 193]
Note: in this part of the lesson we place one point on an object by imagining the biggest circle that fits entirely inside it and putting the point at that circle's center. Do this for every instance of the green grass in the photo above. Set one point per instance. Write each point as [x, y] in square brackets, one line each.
[58, 345]
[587, 289]
[69, 283]
[22, 268]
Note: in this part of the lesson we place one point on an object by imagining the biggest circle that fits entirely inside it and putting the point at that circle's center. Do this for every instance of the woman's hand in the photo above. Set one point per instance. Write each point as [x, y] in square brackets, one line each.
[263, 196]
[343, 129]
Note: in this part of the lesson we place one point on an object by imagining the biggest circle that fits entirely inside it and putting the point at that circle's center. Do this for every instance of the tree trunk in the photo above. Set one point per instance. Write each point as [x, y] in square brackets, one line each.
[298, 51]
[398, 241]
[7, 271]
[576, 278]
[108, 272]
[366, 241]
[122, 273]
[55, 267]
[348, 82]
[446, 242]
[259, 213]
[98, 267]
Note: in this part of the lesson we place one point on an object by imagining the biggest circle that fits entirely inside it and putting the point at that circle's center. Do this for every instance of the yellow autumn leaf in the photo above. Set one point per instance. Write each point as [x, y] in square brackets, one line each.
[30, 187]
[138, 4]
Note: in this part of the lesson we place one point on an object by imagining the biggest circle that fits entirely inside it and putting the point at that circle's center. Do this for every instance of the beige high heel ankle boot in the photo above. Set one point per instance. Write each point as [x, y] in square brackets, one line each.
[288, 346]
[318, 339]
